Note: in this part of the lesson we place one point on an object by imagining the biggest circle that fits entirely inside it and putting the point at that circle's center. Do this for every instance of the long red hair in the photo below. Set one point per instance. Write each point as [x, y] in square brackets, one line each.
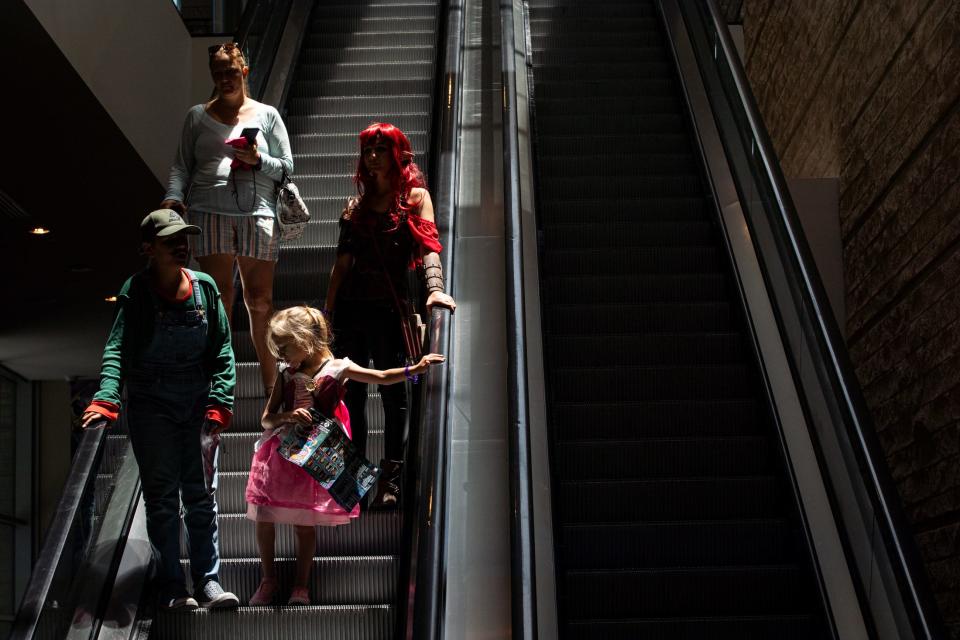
[404, 174]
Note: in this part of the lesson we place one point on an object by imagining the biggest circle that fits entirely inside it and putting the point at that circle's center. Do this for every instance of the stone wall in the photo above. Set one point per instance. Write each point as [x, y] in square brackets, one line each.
[868, 91]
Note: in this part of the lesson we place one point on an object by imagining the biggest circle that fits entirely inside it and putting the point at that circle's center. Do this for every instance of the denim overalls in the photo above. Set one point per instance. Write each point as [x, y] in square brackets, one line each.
[167, 391]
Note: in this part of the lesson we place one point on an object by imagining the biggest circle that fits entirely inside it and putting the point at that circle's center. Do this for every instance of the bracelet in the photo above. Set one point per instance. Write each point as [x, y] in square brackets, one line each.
[412, 378]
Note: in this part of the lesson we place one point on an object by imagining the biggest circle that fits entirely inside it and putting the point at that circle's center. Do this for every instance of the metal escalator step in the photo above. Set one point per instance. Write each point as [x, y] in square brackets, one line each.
[639, 186]
[341, 164]
[800, 627]
[602, 70]
[364, 24]
[114, 452]
[670, 499]
[568, 262]
[355, 123]
[597, 26]
[371, 38]
[338, 622]
[591, 105]
[359, 87]
[378, 10]
[648, 348]
[236, 449]
[597, 237]
[676, 544]
[635, 143]
[577, 318]
[337, 105]
[368, 71]
[694, 592]
[643, 458]
[545, 41]
[344, 143]
[102, 490]
[328, 55]
[624, 210]
[657, 418]
[614, 52]
[338, 580]
[374, 533]
[613, 290]
[607, 9]
[624, 165]
[664, 382]
[600, 88]
[625, 123]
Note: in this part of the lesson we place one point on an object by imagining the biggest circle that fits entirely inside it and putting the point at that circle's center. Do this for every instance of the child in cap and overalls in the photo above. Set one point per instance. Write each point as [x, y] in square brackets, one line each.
[170, 345]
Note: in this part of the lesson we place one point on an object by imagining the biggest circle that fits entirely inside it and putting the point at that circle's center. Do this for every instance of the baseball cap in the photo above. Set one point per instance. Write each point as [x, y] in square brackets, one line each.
[164, 222]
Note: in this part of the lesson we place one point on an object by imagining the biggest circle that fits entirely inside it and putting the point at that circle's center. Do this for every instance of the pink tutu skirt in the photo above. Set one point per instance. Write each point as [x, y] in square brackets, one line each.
[280, 491]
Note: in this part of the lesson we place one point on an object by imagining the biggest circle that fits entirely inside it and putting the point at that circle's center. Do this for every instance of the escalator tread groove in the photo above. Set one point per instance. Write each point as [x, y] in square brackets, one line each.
[672, 510]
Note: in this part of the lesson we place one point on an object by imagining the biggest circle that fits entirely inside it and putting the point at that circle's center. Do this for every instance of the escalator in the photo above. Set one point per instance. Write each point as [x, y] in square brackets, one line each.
[356, 63]
[711, 470]
[673, 516]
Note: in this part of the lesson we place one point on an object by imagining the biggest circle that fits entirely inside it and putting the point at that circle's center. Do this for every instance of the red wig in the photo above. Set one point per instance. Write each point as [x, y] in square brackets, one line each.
[404, 173]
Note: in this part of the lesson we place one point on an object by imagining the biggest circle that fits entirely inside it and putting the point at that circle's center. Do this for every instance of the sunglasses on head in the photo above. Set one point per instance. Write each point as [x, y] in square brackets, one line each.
[226, 46]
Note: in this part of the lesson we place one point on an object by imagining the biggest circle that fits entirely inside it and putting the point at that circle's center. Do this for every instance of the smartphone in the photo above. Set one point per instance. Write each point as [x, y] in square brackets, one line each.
[250, 133]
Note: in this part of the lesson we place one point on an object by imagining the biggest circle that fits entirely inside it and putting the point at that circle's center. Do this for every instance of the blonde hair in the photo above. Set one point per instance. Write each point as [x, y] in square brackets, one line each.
[304, 325]
[234, 54]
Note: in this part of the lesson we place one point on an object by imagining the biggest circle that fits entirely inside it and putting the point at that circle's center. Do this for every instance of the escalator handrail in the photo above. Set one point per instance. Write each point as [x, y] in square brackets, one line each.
[828, 342]
[426, 575]
[79, 481]
[522, 560]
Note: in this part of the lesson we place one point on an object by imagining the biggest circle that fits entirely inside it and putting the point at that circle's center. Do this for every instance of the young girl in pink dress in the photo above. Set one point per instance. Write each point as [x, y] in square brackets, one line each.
[279, 491]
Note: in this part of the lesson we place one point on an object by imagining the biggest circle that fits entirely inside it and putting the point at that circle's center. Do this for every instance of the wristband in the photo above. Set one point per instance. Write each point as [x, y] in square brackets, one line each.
[412, 378]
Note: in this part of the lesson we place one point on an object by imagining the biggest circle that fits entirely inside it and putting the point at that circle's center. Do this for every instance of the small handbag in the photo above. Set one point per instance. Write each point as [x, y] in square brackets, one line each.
[292, 213]
[324, 451]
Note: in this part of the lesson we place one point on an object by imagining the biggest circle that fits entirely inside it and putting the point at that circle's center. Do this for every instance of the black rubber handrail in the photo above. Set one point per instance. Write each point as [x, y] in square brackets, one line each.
[423, 582]
[80, 480]
[522, 560]
[826, 341]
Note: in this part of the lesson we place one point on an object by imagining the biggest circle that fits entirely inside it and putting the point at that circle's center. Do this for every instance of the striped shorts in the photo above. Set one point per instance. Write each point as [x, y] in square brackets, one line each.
[247, 236]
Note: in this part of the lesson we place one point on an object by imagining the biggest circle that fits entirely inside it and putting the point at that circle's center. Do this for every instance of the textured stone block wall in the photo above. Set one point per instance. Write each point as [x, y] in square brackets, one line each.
[869, 91]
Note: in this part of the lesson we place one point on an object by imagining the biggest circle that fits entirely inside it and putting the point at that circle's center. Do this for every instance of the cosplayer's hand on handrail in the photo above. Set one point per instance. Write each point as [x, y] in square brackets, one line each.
[176, 205]
[92, 420]
[442, 300]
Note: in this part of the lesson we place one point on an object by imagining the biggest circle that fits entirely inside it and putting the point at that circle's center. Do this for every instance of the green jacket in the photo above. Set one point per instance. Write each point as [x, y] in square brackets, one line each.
[133, 330]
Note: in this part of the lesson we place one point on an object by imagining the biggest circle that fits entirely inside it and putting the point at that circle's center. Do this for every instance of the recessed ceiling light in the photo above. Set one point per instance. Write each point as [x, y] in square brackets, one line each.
[39, 231]
[111, 299]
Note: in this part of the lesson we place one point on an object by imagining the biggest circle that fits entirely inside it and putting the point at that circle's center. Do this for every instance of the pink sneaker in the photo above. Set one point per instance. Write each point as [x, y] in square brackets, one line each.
[299, 596]
[265, 594]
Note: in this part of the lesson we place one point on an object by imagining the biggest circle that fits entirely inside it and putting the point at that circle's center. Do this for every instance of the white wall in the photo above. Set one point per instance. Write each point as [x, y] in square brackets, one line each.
[140, 62]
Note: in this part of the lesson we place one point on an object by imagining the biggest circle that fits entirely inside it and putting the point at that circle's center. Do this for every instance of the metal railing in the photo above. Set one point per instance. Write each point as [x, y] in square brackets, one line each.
[892, 585]
[522, 560]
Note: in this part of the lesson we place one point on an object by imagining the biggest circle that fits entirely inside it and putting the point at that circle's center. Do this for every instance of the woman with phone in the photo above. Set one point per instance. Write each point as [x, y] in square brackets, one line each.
[233, 151]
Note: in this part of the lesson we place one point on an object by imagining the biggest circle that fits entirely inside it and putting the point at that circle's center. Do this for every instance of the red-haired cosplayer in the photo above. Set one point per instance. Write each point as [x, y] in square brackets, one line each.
[384, 233]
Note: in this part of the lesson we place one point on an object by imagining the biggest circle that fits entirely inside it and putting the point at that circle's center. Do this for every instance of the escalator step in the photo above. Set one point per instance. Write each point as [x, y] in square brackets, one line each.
[579, 317]
[544, 40]
[676, 544]
[604, 70]
[613, 52]
[636, 234]
[371, 38]
[613, 290]
[577, 421]
[558, 144]
[358, 87]
[378, 10]
[623, 164]
[343, 143]
[619, 211]
[341, 580]
[365, 24]
[719, 628]
[670, 499]
[374, 533]
[352, 124]
[695, 592]
[337, 105]
[614, 187]
[236, 449]
[336, 622]
[634, 383]
[599, 27]
[619, 9]
[665, 458]
[642, 259]
[647, 349]
[367, 71]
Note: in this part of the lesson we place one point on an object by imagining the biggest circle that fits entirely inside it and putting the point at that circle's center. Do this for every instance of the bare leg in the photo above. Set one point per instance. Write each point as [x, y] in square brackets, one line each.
[257, 277]
[266, 536]
[306, 545]
[219, 266]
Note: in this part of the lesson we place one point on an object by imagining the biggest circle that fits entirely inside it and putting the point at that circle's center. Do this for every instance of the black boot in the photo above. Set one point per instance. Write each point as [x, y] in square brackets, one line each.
[388, 486]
